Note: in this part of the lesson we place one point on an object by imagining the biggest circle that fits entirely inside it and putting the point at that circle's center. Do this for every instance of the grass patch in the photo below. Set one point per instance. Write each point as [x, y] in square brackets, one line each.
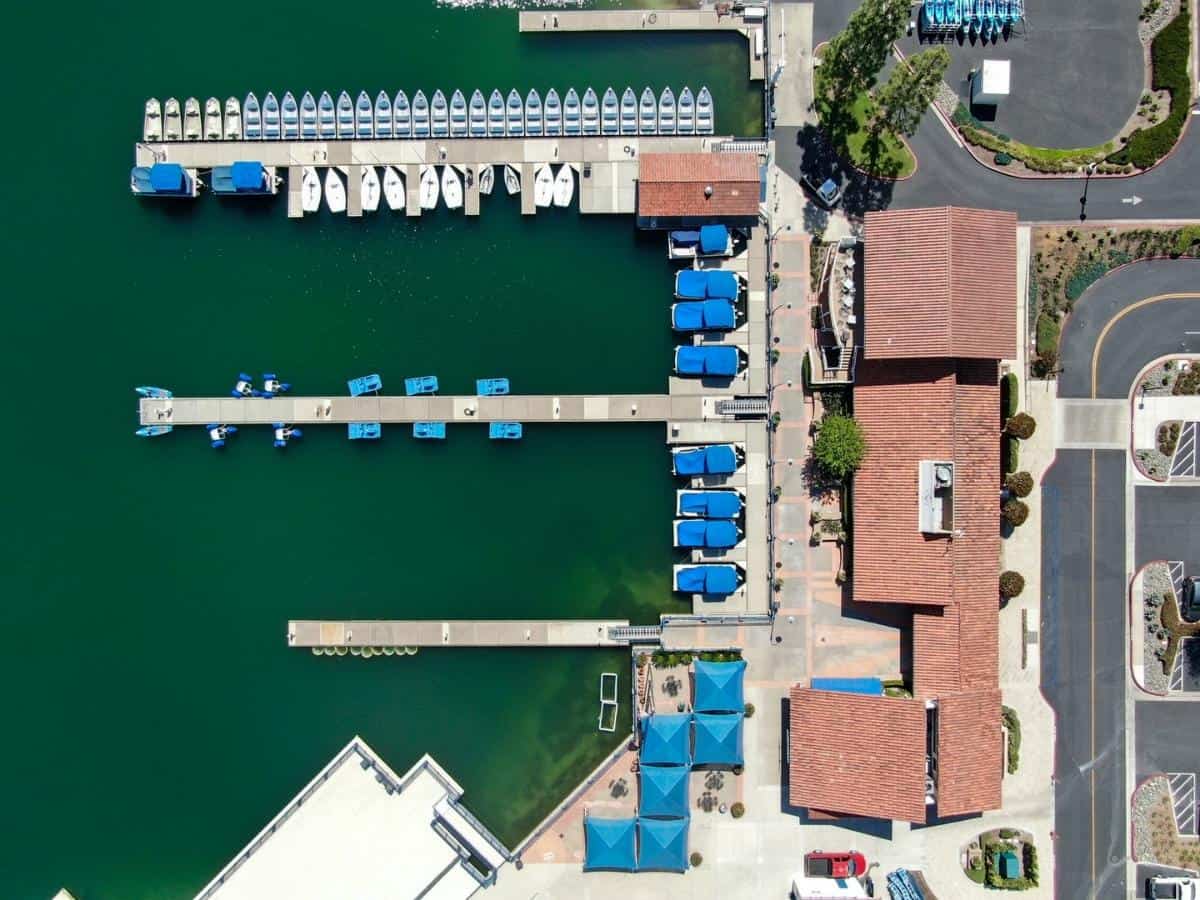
[1169, 57]
[846, 127]
[1048, 330]
[1039, 159]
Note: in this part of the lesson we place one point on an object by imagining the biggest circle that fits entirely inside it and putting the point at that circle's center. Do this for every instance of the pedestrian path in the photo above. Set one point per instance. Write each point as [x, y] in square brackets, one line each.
[1092, 425]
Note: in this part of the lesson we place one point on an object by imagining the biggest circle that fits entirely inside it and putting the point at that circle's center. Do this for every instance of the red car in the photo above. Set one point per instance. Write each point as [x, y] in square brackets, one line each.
[846, 864]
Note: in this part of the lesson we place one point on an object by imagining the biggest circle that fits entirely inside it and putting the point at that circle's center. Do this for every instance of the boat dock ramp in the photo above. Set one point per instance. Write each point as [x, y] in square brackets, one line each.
[460, 633]
[750, 22]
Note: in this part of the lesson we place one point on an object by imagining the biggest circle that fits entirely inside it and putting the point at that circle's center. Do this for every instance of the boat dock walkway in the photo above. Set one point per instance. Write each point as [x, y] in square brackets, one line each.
[459, 633]
[429, 407]
[577, 20]
[606, 168]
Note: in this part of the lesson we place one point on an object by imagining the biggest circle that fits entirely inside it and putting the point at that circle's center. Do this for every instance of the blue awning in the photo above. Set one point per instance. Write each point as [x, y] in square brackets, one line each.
[713, 533]
[690, 284]
[714, 580]
[664, 791]
[719, 740]
[709, 360]
[662, 845]
[247, 176]
[610, 844]
[666, 740]
[719, 686]
[167, 177]
[713, 238]
[870, 686]
[721, 285]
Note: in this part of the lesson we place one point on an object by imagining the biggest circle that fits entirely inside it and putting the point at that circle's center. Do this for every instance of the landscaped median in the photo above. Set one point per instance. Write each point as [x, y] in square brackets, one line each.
[881, 155]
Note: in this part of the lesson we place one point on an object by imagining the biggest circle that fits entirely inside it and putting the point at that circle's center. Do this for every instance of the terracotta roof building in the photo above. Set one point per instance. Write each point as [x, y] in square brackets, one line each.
[694, 188]
[926, 497]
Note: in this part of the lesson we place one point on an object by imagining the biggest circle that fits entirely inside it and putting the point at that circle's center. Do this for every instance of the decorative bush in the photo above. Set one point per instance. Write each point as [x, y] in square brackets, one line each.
[1015, 513]
[1011, 584]
[839, 446]
[1169, 55]
[1002, 158]
[1008, 396]
[737, 810]
[1020, 483]
[1047, 329]
[748, 709]
[1168, 437]
[695, 859]
[1010, 451]
[1022, 426]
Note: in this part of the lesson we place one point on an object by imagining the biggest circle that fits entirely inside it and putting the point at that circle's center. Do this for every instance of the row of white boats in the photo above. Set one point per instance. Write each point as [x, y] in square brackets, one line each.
[548, 187]
[395, 117]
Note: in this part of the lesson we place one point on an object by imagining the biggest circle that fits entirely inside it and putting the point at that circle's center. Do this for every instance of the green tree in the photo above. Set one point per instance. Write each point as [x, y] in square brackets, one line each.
[839, 446]
[909, 90]
[856, 54]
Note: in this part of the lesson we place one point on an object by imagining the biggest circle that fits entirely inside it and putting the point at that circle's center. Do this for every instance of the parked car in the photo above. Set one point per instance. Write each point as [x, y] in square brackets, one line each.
[826, 191]
[1189, 599]
[844, 864]
[1162, 887]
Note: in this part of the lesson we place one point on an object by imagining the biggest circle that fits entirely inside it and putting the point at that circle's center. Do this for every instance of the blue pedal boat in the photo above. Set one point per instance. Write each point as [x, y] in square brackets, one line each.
[491, 387]
[365, 384]
[429, 431]
[420, 384]
[505, 431]
[218, 434]
[364, 431]
[272, 386]
[245, 387]
[285, 433]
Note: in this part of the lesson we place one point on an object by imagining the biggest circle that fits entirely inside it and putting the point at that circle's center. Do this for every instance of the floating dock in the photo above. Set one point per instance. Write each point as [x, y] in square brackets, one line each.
[459, 633]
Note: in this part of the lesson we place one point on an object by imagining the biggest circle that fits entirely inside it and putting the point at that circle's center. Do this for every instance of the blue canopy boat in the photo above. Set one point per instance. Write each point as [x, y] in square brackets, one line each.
[714, 534]
[505, 431]
[364, 384]
[218, 433]
[715, 459]
[163, 180]
[703, 315]
[706, 284]
[429, 431]
[242, 178]
[153, 430]
[154, 393]
[245, 387]
[709, 504]
[721, 361]
[364, 431]
[272, 386]
[711, 580]
[708, 240]
[491, 387]
[420, 384]
[284, 433]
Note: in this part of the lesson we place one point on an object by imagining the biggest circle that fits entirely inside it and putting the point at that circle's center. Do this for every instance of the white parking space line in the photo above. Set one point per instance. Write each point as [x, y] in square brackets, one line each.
[1183, 799]
[1183, 463]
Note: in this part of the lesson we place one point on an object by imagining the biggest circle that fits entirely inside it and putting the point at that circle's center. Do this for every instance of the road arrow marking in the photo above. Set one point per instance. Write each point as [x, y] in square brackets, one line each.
[1134, 200]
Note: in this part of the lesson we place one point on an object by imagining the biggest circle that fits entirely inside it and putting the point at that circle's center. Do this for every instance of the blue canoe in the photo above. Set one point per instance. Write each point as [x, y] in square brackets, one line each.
[491, 387]
[364, 431]
[716, 581]
[709, 504]
[505, 431]
[429, 431]
[420, 384]
[718, 459]
[703, 315]
[716, 534]
[153, 430]
[722, 361]
[706, 284]
[365, 384]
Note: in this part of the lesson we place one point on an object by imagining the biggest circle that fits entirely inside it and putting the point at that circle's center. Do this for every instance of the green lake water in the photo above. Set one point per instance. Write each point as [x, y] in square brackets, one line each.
[156, 718]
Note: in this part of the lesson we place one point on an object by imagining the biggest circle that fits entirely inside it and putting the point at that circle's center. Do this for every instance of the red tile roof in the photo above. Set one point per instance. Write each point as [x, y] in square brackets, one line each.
[940, 282]
[970, 753]
[672, 185]
[858, 755]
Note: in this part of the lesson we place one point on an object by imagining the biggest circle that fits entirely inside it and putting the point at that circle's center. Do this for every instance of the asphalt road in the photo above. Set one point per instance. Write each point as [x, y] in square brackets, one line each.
[1167, 737]
[1168, 527]
[1083, 666]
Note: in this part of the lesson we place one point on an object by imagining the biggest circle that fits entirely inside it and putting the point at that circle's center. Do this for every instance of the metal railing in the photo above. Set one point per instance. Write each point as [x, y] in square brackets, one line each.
[636, 634]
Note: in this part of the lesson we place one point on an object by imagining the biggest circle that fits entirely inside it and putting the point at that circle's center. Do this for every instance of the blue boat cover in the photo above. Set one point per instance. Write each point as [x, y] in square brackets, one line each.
[711, 504]
[715, 580]
[663, 845]
[699, 315]
[713, 238]
[167, 177]
[717, 460]
[721, 285]
[666, 740]
[685, 238]
[719, 686]
[610, 843]
[247, 176]
[690, 284]
[719, 740]
[664, 791]
[870, 686]
[718, 360]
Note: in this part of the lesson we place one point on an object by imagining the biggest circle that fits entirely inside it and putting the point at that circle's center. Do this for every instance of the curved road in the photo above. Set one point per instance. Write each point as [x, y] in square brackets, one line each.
[1119, 325]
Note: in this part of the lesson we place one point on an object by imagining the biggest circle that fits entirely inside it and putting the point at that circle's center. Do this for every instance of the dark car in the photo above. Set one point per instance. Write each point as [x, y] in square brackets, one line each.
[826, 191]
[1189, 599]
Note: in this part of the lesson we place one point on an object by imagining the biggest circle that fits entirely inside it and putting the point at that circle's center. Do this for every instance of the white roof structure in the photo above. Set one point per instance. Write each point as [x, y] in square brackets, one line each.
[991, 82]
[360, 830]
[826, 888]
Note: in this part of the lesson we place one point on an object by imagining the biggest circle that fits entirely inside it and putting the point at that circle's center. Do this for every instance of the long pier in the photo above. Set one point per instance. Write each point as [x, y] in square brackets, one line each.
[457, 633]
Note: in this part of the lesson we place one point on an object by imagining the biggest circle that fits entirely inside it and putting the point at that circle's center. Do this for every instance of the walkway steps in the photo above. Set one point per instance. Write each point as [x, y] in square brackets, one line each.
[459, 633]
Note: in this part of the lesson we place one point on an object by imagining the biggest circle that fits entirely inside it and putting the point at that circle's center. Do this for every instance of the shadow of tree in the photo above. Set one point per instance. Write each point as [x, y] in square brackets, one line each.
[816, 156]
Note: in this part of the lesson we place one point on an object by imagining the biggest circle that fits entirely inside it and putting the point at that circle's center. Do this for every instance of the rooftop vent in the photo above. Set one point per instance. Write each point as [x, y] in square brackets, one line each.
[937, 497]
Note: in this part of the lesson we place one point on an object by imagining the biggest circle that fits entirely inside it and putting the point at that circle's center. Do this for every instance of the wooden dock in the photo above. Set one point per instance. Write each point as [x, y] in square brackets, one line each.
[456, 633]
[430, 407]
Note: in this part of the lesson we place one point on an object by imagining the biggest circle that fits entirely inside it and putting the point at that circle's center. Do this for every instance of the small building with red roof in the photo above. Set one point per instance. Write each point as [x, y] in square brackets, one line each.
[687, 189]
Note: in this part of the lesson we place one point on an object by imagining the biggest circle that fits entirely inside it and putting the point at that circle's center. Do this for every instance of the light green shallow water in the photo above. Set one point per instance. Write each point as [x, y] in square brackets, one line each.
[156, 718]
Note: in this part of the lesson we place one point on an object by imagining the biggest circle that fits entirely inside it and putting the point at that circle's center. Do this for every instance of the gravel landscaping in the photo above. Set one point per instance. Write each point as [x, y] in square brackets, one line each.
[1146, 802]
[1156, 581]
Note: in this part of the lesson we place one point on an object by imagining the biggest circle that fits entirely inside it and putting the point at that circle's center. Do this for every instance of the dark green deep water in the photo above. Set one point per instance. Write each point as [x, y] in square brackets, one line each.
[155, 717]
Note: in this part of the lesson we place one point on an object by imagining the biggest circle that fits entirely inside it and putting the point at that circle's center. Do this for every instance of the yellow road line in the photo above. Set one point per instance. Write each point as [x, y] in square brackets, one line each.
[1126, 311]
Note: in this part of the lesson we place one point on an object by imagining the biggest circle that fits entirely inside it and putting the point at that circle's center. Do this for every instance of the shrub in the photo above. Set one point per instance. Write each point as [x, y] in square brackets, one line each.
[1031, 863]
[1002, 158]
[695, 859]
[1168, 437]
[1015, 513]
[1008, 396]
[1011, 584]
[749, 710]
[1188, 382]
[806, 373]
[1009, 833]
[1186, 238]
[1020, 483]
[1010, 451]
[1083, 277]
[1169, 55]
[839, 446]
[1022, 426]
[737, 810]
[1048, 329]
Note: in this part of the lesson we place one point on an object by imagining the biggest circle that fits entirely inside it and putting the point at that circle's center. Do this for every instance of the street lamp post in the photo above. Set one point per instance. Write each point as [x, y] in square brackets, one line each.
[1083, 200]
